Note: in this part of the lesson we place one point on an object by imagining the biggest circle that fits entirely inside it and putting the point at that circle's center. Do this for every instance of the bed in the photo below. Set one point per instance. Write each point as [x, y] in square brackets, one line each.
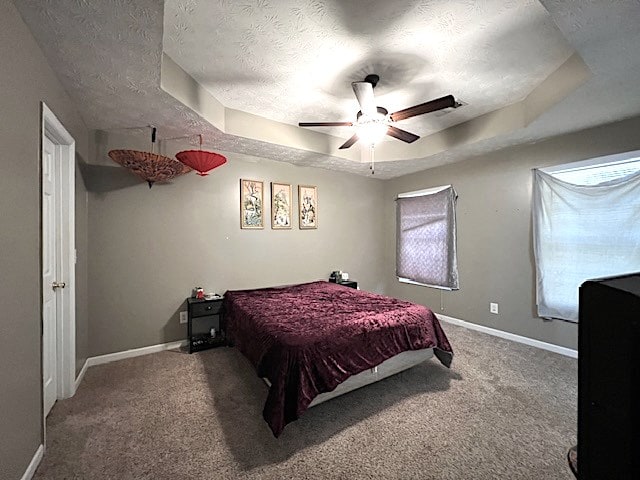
[315, 340]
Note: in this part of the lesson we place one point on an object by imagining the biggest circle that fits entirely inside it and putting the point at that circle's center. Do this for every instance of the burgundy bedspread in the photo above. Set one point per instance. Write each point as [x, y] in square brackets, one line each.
[307, 339]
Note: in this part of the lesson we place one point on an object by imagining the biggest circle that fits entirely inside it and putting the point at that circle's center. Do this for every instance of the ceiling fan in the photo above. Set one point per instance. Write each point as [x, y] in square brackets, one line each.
[373, 122]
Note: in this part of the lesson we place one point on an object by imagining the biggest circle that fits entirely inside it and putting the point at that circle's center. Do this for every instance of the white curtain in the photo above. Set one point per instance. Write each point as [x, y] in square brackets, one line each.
[582, 232]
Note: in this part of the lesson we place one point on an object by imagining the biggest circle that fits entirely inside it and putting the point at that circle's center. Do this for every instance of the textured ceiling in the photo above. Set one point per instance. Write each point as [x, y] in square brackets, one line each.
[108, 56]
[294, 61]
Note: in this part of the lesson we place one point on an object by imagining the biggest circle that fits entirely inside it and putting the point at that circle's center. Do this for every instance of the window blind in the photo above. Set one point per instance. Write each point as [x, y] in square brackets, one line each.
[426, 238]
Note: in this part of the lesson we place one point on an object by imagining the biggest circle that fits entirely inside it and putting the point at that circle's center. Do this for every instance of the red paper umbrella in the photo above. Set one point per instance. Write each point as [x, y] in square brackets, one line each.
[201, 160]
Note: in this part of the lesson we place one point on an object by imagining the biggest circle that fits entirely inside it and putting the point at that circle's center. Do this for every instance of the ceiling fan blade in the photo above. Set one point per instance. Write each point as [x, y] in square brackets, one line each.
[364, 94]
[325, 124]
[431, 106]
[349, 142]
[400, 134]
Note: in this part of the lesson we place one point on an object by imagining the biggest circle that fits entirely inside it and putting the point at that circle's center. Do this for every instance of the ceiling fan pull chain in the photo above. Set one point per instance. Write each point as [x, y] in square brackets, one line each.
[373, 161]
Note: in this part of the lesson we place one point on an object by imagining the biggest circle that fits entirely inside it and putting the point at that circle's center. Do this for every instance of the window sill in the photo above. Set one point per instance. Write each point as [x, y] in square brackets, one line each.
[413, 282]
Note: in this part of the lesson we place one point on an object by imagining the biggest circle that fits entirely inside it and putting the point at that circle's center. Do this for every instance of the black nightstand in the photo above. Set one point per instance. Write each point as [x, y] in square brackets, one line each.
[349, 283]
[202, 316]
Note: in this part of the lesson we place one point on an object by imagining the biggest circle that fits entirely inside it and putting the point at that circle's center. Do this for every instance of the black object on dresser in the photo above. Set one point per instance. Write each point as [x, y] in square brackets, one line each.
[203, 316]
[609, 379]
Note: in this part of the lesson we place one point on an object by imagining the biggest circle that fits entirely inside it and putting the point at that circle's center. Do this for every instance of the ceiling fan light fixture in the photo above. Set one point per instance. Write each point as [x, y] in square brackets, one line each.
[372, 133]
[372, 128]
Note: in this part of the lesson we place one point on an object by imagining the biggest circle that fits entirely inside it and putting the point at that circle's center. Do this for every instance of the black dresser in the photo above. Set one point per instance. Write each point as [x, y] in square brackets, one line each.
[609, 379]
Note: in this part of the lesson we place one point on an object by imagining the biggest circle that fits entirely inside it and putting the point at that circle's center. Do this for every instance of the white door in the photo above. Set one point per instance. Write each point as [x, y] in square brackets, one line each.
[50, 249]
[58, 261]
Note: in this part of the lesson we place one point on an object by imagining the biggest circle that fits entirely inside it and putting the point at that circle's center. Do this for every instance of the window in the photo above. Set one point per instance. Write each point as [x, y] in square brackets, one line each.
[426, 238]
[586, 222]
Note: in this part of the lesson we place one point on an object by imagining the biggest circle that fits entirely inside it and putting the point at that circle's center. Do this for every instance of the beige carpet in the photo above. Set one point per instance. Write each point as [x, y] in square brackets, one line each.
[504, 411]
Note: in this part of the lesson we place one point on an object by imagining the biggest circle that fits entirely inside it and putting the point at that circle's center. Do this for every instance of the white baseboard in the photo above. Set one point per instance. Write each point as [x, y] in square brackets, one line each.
[568, 352]
[33, 465]
[80, 376]
[135, 352]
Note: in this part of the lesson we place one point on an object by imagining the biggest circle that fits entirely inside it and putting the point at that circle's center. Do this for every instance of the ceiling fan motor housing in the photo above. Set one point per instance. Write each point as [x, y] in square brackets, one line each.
[373, 79]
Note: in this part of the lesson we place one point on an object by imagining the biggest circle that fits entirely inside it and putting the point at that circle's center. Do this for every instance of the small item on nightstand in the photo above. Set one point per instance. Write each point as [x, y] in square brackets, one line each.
[199, 292]
[345, 277]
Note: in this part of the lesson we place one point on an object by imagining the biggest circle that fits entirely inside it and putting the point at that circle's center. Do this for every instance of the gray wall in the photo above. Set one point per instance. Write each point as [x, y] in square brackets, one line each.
[149, 247]
[82, 248]
[26, 79]
[495, 256]
[142, 250]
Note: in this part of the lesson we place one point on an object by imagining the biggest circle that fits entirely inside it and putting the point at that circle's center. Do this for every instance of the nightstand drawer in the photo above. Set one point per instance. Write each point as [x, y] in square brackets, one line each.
[206, 308]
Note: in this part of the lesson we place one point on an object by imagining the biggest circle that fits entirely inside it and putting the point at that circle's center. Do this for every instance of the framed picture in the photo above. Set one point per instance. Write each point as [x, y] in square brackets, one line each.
[308, 206]
[280, 205]
[251, 204]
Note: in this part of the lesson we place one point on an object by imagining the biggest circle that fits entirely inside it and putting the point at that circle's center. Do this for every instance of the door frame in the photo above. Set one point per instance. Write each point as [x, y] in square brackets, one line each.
[66, 311]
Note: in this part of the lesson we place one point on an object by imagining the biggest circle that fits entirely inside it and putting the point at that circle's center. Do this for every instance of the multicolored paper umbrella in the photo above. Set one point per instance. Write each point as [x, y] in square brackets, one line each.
[201, 160]
[149, 166]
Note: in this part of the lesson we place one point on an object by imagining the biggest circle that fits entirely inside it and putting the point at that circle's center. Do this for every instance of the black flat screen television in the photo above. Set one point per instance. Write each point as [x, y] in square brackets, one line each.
[609, 379]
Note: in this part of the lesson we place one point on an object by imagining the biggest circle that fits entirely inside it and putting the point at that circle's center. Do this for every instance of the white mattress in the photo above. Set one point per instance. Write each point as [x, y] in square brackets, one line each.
[389, 367]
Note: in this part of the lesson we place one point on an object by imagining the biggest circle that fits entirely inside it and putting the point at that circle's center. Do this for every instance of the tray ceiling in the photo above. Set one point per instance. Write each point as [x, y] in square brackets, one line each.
[293, 61]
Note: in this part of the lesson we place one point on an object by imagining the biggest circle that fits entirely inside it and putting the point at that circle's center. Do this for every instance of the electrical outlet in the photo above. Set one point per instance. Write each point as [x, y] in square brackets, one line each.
[183, 317]
[493, 308]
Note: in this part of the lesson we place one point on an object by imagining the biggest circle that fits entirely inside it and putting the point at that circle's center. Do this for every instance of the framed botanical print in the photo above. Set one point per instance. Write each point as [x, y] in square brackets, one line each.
[308, 206]
[280, 205]
[251, 204]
